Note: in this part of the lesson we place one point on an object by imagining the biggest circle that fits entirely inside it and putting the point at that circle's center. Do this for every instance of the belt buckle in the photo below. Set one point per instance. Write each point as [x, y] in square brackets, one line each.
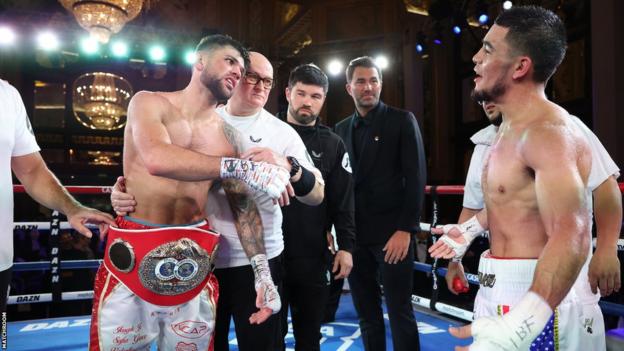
[175, 267]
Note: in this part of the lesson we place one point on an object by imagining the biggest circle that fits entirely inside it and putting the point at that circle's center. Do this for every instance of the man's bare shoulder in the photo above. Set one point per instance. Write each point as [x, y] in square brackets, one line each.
[552, 138]
[149, 97]
[149, 104]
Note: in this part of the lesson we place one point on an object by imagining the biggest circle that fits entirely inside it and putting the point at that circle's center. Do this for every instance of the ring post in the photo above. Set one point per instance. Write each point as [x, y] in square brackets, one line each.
[55, 265]
[434, 266]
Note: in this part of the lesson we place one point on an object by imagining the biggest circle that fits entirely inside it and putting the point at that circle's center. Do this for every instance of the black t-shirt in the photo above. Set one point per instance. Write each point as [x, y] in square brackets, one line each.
[305, 226]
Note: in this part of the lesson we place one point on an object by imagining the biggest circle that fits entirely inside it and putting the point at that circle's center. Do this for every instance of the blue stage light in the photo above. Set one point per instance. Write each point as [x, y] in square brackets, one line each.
[483, 18]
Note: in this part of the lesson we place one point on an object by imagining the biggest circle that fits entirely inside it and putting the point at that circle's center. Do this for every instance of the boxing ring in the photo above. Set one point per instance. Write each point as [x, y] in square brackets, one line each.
[71, 333]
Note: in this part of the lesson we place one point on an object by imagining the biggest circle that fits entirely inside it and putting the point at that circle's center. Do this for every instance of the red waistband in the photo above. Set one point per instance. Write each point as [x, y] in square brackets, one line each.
[143, 240]
[134, 223]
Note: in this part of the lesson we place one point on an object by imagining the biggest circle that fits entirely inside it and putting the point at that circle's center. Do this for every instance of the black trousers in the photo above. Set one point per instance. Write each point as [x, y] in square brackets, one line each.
[5, 280]
[237, 299]
[369, 270]
[306, 289]
[335, 292]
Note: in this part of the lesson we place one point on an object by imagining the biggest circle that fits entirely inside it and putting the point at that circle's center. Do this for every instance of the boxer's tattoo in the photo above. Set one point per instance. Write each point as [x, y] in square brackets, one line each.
[233, 136]
[246, 217]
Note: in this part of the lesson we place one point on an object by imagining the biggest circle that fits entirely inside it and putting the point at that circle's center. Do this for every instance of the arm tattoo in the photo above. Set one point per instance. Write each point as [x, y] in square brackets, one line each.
[246, 216]
[233, 136]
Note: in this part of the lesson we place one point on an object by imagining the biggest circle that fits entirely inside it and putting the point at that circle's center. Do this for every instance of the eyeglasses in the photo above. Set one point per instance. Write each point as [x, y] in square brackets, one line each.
[253, 79]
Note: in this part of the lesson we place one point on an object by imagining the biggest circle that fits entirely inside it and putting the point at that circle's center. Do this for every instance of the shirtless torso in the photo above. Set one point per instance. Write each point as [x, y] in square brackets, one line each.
[536, 197]
[528, 162]
[165, 200]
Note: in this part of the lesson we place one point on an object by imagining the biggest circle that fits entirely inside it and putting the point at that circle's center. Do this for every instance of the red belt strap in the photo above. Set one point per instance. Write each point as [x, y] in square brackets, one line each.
[142, 242]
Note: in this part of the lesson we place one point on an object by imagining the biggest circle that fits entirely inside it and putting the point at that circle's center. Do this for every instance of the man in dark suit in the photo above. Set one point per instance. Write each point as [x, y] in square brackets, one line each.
[386, 149]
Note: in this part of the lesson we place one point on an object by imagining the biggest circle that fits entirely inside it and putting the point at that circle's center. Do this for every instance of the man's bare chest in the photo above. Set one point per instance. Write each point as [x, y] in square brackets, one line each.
[505, 174]
[204, 136]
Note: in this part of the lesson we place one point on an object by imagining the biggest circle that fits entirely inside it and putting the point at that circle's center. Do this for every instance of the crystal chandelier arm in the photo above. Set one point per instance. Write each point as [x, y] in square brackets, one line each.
[103, 18]
[100, 100]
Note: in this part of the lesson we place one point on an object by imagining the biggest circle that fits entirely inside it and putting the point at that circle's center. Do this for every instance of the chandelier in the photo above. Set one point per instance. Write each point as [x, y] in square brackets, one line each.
[104, 158]
[100, 100]
[103, 18]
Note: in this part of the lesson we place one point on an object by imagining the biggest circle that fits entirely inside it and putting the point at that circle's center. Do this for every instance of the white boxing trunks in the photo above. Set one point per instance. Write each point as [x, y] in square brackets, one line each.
[574, 326]
[156, 284]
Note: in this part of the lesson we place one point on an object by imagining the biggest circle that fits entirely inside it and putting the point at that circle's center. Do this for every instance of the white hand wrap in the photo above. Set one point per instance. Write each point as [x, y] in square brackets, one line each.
[264, 283]
[260, 176]
[514, 331]
[469, 230]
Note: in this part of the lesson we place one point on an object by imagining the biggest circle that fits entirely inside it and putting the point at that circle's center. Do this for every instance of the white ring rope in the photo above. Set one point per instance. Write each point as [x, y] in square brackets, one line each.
[47, 297]
[46, 225]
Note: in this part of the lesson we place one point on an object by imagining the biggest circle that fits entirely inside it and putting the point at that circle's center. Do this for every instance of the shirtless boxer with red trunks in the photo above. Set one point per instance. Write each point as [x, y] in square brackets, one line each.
[156, 283]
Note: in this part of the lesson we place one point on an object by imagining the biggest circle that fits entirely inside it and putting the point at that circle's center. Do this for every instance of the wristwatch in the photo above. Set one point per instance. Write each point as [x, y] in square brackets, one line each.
[294, 165]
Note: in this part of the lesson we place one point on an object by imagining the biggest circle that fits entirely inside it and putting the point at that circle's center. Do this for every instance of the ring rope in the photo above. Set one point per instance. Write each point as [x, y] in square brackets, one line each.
[75, 189]
[45, 265]
[47, 297]
[425, 227]
[459, 189]
[94, 190]
[46, 225]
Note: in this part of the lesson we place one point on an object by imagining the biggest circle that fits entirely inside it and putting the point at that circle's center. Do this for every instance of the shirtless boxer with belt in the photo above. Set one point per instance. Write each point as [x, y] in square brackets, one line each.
[156, 283]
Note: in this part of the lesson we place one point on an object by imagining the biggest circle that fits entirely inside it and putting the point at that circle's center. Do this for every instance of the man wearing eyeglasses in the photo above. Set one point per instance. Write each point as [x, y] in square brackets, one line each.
[271, 140]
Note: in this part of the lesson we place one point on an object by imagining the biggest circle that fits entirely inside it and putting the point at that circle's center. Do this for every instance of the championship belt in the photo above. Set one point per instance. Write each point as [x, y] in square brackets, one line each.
[163, 266]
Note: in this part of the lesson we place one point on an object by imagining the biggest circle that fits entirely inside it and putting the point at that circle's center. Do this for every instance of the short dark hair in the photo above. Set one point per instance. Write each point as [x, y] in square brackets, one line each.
[310, 74]
[537, 33]
[364, 61]
[217, 41]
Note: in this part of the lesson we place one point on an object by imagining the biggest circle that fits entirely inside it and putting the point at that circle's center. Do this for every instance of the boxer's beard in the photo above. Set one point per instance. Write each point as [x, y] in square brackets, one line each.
[300, 118]
[489, 94]
[499, 88]
[496, 120]
[216, 87]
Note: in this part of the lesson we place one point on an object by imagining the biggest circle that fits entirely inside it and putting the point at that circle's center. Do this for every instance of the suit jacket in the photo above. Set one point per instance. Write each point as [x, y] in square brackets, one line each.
[389, 176]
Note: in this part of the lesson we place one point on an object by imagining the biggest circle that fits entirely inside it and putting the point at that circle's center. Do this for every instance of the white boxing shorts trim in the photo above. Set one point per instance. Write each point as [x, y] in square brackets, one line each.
[503, 282]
